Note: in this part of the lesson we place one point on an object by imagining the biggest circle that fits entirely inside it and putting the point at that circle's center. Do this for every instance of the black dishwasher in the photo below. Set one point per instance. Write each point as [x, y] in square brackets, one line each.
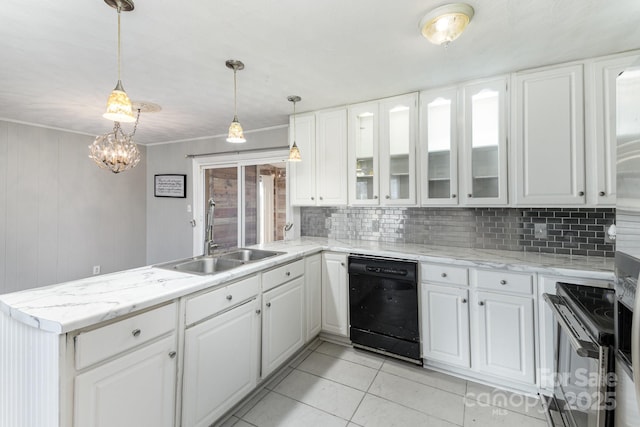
[383, 306]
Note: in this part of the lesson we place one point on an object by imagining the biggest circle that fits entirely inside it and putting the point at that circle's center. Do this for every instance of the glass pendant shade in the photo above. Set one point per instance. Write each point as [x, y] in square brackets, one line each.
[119, 107]
[236, 134]
[115, 151]
[444, 24]
[294, 153]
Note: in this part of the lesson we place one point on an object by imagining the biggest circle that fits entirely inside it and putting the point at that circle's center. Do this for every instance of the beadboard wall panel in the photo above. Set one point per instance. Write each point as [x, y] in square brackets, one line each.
[60, 214]
[27, 353]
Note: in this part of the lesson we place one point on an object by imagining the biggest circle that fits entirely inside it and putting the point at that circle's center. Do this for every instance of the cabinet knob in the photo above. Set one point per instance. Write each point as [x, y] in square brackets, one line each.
[321, 198]
[375, 197]
[580, 193]
[469, 195]
[136, 332]
[173, 354]
[288, 273]
[229, 297]
[258, 311]
[602, 193]
[342, 264]
[268, 304]
[444, 275]
[313, 198]
[387, 196]
[453, 196]
[503, 282]
[480, 302]
[464, 300]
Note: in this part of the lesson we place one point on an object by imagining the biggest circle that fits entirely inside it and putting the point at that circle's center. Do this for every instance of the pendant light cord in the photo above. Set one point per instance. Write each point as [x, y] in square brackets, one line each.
[119, 8]
[294, 122]
[235, 93]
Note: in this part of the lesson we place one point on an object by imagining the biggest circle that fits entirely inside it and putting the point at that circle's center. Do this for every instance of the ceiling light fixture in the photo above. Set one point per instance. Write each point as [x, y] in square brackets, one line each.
[119, 107]
[444, 24]
[236, 135]
[115, 151]
[294, 152]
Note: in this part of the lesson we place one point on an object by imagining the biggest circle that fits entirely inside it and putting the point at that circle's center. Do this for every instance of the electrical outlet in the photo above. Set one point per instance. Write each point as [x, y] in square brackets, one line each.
[540, 231]
[96, 269]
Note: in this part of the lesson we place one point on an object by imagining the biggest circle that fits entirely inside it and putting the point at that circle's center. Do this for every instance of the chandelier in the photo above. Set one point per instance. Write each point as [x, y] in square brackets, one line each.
[116, 151]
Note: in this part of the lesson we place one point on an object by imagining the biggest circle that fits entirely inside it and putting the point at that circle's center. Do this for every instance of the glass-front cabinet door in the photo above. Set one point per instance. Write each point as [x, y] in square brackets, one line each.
[484, 154]
[363, 154]
[398, 119]
[439, 147]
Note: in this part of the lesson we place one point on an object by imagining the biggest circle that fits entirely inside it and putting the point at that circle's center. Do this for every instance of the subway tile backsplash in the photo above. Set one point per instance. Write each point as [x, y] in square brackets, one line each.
[576, 231]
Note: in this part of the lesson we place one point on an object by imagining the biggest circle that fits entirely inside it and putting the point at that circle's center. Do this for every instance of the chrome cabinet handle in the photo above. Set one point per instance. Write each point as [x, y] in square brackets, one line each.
[444, 275]
[602, 193]
[229, 297]
[480, 302]
[173, 354]
[503, 282]
[136, 332]
[580, 193]
[464, 300]
[268, 304]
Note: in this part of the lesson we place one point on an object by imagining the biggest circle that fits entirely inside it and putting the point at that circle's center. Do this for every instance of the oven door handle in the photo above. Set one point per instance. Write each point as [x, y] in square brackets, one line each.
[583, 348]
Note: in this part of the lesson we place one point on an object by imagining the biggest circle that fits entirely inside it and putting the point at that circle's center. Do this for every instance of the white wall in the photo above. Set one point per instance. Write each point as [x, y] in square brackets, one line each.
[169, 232]
[60, 214]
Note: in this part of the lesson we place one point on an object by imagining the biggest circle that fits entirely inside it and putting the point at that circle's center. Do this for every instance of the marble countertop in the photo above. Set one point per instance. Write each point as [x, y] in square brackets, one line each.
[69, 306]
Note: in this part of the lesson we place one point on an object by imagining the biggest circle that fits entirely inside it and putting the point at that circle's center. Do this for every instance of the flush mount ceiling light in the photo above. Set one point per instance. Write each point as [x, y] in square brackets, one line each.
[294, 152]
[115, 151]
[444, 24]
[236, 135]
[119, 107]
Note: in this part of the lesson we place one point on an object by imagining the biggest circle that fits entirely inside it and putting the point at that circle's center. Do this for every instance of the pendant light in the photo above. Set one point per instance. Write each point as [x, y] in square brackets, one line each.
[236, 135]
[119, 107]
[446, 23]
[294, 152]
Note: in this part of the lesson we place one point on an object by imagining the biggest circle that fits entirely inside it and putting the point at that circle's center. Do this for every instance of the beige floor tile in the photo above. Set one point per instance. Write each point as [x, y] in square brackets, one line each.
[477, 414]
[426, 376]
[351, 354]
[526, 405]
[246, 407]
[377, 412]
[329, 396]
[429, 400]
[338, 370]
[275, 410]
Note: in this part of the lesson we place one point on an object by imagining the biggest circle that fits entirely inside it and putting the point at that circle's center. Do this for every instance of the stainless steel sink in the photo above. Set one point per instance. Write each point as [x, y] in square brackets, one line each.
[211, 264]
[248, 255]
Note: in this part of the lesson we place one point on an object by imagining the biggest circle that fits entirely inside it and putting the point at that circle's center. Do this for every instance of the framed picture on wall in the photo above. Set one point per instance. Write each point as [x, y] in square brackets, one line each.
[170, 185]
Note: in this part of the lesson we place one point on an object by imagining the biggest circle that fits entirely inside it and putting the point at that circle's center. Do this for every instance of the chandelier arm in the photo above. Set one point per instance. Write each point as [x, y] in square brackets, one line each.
[135, 126]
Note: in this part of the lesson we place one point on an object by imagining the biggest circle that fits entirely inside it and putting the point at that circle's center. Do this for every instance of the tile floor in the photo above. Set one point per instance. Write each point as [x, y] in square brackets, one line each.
[333, 385]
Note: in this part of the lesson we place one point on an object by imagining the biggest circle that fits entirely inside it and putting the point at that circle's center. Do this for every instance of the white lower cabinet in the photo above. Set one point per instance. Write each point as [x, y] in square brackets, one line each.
[313, 295]
[505, 336]
[282, 323]
[335, 294]
[221, 360]
[134, 390]
[445, 324]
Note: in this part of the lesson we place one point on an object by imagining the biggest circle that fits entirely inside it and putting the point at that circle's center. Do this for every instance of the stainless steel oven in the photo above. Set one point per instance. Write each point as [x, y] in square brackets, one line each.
[584, 356]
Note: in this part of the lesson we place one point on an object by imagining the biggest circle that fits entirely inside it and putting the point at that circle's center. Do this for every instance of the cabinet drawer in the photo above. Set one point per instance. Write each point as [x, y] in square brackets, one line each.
[282, 274]
[210, 303]
[441, 273]
[102, 343]
[520, 283]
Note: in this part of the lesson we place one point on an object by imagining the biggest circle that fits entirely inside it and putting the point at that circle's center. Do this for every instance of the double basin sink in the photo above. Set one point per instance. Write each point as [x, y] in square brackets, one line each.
[211, 264]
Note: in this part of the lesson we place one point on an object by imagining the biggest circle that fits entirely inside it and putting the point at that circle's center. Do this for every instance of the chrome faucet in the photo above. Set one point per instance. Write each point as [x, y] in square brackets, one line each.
[209, 244]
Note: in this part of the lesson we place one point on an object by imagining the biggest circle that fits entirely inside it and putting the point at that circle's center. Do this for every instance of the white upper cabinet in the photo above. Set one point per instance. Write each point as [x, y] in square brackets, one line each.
[302, 183]
[483, 172]
[548, 129]
[382, 140]
[601, 104]
[319, 179]
[439, 147]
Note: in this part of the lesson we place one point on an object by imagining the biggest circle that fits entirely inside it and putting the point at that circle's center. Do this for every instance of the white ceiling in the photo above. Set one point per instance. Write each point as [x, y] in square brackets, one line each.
[58, 58]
